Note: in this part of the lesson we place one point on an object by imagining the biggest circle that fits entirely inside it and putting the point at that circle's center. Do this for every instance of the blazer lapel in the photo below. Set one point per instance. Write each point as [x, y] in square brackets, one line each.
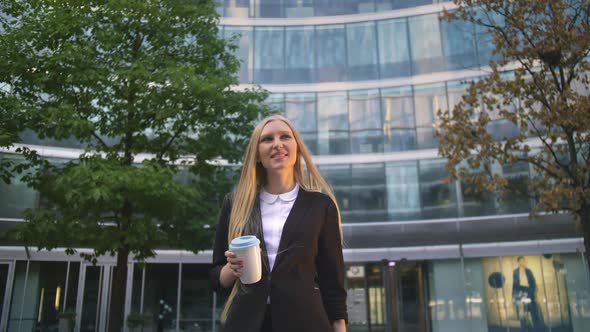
[298, 211]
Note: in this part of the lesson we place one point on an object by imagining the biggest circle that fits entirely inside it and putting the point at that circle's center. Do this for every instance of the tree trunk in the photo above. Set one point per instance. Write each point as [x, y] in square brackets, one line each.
[117, 305]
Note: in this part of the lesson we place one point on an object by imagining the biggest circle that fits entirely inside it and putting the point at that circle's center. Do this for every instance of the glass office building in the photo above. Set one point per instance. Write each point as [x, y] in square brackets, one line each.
[362, 80]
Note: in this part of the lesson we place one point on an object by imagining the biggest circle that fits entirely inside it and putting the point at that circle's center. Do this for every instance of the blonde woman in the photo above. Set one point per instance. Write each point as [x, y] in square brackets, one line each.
[281, 202]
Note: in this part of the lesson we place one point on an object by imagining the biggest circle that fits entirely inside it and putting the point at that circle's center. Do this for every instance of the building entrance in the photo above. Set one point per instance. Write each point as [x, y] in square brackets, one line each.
[6, 276]
[406, 297]
[94, 297]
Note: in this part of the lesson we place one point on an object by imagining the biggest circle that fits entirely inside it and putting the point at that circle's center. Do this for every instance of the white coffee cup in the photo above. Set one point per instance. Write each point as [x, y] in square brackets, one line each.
[247, 248]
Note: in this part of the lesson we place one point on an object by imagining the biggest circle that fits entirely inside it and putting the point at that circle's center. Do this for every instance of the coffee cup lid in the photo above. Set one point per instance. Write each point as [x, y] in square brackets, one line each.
[244, 242]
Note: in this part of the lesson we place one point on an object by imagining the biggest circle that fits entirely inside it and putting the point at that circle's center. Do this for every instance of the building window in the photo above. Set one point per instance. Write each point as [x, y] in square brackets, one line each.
[299, 60]
[425, 44]
[331, 53]
[394, 51]
[362, 51]
[269, 55]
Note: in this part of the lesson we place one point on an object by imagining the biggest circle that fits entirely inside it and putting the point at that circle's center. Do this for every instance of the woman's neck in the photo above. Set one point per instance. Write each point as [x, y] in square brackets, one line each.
[279, 183]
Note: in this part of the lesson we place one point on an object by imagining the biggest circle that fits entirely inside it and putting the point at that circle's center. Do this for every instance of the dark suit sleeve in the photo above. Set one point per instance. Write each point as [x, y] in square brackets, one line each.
[330, 267]
[532, 281]
[220, 247]
[515, 283]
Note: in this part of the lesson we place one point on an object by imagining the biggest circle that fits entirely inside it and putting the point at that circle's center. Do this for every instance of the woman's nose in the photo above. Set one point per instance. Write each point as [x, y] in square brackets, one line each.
[278, 143]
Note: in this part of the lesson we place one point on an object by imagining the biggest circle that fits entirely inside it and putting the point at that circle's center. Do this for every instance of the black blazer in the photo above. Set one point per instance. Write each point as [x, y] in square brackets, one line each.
[306, 285]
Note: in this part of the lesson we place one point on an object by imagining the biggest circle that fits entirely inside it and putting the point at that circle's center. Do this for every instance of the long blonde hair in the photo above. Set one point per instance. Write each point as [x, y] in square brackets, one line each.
[253, 177]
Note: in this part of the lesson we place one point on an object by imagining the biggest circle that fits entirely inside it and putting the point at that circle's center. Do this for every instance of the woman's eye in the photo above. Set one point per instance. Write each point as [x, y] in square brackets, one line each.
[286, 137]
[266, 139]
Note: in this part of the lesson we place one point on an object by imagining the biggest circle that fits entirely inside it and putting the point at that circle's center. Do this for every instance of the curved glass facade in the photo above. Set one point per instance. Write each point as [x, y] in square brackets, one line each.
[308, 8]
[362, 80]
[369, 192]
[358, 51]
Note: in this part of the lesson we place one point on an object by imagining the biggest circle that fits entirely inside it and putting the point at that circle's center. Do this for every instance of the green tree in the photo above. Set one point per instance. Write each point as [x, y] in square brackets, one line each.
[9, 128]
[538, 86]
[150, 88]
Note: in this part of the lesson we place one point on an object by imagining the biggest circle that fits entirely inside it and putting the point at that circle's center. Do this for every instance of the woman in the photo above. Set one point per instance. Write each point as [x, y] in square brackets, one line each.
[302, 285]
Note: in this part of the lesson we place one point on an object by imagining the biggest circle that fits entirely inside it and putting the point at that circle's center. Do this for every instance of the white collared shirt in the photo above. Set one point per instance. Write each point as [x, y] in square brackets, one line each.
[274, 210]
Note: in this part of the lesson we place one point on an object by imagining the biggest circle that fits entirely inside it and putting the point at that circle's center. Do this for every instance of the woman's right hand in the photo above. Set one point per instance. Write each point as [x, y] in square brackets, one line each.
[232, 270]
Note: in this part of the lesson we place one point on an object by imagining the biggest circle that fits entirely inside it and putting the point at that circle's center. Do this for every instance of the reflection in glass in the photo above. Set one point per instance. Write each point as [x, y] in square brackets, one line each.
[299, 8]
[3, 281]
[138, 285]
[403, 191]
[333, 137]
[70, 294]
[455, 92]
[447, 296]
[237, 8]
[362, 51]
[428, 100]
[331, 53]
[161, 295]
[425, 44]
[365, 121]
[335, 7]
[382, 5]
[276, 102]
[91, 304]
[368, 192]
[484, 39]
[269, 56]
[397, 4]
[196, 299]
[459, 44]
[555, 294]
[439, 200]
[300, 109]
[394, 51]
[16, 196]
[398, 119]
[517, 201]
[338, 176]
[28, 136]
[299, 59]
[268, 8]
[475, 301]
[578, 289]
[500, 127]
[41, 286]
[243, 52]
[476, 202]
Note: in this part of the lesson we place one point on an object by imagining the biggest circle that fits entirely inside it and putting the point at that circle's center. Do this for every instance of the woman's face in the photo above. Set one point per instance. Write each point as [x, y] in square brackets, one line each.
[277, 148]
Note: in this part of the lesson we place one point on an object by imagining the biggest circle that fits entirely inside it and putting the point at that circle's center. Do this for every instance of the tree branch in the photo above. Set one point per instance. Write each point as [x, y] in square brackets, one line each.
[167, 146]
[94, 134]
[550, 148]
[539, 165]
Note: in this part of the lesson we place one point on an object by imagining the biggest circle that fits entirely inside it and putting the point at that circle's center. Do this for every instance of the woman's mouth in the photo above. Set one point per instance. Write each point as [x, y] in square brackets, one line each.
[279, 156]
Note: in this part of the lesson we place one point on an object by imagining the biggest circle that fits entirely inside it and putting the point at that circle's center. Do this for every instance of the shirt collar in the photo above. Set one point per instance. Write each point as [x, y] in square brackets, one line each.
[285, 197]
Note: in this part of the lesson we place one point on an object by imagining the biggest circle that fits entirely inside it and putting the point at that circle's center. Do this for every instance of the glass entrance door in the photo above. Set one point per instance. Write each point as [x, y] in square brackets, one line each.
[6, 277]
[93, 297]
[407, 297]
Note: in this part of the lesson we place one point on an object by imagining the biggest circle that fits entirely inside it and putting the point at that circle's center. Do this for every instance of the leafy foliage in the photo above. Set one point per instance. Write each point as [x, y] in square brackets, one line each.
[150, 89]
[538, 86]
[130, 79]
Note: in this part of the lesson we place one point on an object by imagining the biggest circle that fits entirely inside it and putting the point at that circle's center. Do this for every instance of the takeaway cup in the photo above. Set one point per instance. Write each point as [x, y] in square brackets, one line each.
[247, 248]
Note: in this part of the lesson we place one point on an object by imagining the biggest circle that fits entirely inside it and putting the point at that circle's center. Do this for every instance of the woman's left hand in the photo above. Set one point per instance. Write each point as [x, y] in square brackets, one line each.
[339, 325]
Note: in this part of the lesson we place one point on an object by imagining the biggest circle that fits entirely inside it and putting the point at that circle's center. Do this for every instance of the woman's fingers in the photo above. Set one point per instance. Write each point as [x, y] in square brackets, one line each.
[235, 264]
